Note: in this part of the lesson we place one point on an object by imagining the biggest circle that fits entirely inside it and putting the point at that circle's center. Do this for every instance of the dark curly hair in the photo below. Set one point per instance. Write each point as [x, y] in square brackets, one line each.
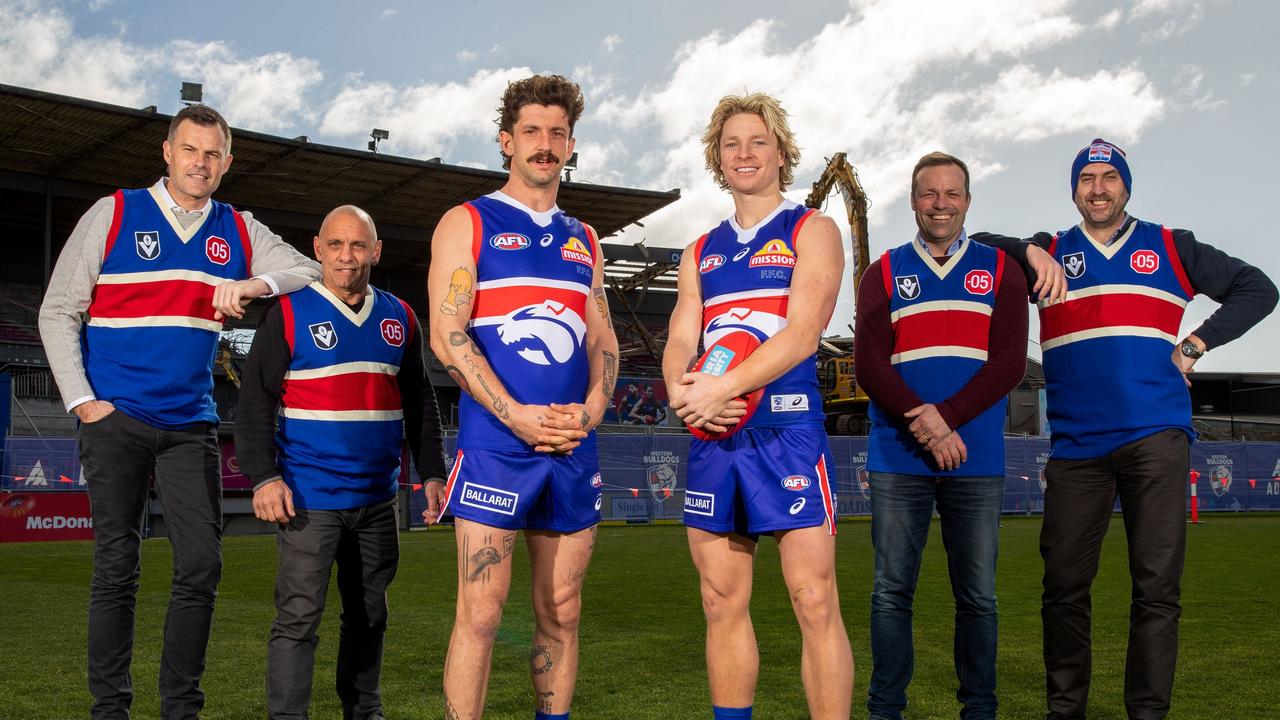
[549, 90]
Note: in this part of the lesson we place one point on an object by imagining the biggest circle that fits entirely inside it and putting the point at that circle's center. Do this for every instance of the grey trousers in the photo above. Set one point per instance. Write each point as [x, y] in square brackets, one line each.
[365, 544]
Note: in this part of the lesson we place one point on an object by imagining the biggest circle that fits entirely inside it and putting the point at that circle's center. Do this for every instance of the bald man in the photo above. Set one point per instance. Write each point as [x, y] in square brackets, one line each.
[339, 363]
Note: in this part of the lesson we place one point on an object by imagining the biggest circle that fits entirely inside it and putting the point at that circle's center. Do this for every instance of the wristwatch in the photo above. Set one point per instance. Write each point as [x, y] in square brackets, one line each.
[1191, 350]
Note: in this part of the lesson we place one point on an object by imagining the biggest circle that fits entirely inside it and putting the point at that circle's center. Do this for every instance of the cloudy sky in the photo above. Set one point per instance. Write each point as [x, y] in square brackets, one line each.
[1015, 87]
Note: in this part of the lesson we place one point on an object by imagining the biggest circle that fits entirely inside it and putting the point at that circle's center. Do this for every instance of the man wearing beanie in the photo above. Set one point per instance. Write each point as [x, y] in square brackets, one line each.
[1120, 414]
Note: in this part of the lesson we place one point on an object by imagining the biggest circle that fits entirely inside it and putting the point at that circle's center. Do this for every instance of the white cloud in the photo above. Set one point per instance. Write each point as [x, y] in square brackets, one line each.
[466, 56]
[389, 13]
[1246, 79]
[1110, 20]
[265, 92]
[611, 42]
[424, 120]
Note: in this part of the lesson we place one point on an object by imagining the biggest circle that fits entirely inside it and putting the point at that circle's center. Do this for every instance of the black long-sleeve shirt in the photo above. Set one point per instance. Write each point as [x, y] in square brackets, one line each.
[1246, 294]
[260, 390]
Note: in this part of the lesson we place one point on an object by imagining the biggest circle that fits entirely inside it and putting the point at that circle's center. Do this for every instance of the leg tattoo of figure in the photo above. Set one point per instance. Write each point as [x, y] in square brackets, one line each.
[540, 659]
[483, 558]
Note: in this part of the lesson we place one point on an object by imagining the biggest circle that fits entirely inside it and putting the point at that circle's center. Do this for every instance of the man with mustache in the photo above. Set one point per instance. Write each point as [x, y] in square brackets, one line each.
[130, 323]
[520, 320]
[941, 339]
[1120, 415]
[338, 365]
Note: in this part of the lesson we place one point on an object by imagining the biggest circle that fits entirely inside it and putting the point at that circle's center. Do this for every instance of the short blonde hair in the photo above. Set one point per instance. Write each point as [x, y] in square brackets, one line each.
[768, 110]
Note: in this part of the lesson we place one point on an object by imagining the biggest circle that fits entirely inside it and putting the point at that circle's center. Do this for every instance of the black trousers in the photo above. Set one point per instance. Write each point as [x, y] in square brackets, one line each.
[1150, 477]
[119, 454]
[365, 544]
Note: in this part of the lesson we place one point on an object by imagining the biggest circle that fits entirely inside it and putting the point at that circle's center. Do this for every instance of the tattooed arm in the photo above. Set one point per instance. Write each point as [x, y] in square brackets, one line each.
[451, 288]
[602, 352]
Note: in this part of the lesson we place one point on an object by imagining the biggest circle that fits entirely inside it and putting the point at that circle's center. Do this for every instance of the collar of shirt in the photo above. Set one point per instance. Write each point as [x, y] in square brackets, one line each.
[1124, 225]
[952, 249]
[174, 207]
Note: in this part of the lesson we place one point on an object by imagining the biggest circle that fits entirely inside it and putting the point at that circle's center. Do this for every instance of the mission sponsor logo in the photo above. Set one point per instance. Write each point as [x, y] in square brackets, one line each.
[574, 251]
[775, 253]
[796, 483]
[483, 497]
[710, 262]
[699, 503]
[509, 241]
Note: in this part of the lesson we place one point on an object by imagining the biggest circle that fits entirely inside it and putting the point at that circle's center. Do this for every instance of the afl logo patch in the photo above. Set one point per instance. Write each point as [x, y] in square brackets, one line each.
[979, 282]
[509, 241]
[795, 483]
[323, 334]
[710, 262]
[1144, 261]
[393, 332]
[908, 286]
[1073, 264]
[596, 481]
[148, 244]
[217, 250]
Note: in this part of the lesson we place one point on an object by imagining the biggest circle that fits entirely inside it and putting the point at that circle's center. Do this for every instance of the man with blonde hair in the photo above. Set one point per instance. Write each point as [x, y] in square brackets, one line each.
[772, 270]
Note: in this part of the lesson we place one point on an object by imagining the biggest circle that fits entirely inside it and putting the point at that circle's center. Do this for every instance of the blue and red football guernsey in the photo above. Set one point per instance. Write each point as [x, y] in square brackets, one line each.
[745, 277]
[941, 319]
[341, 425]
[150, 339]
[1108, 369]
[534, 272]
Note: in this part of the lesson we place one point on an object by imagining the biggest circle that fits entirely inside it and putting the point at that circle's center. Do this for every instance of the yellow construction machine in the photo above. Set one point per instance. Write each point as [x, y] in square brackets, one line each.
[843, 401]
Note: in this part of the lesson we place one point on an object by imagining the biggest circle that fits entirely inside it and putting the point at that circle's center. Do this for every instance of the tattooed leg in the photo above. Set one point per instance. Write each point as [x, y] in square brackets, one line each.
[559, 567]
[484, 579]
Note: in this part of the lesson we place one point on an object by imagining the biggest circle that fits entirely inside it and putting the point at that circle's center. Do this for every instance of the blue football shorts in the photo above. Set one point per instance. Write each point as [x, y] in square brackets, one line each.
[759, 480]
[536, 491]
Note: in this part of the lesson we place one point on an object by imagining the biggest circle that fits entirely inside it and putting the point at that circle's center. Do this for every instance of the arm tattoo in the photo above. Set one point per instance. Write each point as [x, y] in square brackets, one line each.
[610, 374]
[457, 338]
[586, 419]
[602, 305]
[459, 378]
[459, 292]
[540, 659]
[499, 405]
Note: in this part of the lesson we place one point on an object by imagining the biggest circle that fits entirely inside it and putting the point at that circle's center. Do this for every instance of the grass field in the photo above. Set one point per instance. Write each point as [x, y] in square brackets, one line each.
[642, 629]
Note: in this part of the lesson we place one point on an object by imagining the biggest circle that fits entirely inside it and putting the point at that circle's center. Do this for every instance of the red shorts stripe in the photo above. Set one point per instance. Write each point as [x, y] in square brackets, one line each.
[1109, 310]
[348, 391]
[187, 298]
[825, 484]
[448, 485]
[941, 327]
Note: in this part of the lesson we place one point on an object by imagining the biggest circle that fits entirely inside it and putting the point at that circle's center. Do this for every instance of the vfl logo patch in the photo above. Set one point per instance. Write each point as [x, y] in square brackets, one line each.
[483, 497]
[393, 332]
[148, 244]
[699, 503]
[710, 262]
[325, 337]
[795, 483]
[1073, 264]
[1144, 261]
[1100, 152]
[574, 251]
[979, 282]
[509, 241]
[217, 250]
[908, 286]
[775, 253]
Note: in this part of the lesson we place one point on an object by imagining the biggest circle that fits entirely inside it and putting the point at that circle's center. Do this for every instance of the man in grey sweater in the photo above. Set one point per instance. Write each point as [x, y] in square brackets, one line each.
[130, 324]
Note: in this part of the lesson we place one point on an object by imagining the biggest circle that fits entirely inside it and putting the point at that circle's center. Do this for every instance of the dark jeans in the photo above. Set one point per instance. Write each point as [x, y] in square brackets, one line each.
[366, 546]
[901, 509]
[1150, 476]
[118, 454]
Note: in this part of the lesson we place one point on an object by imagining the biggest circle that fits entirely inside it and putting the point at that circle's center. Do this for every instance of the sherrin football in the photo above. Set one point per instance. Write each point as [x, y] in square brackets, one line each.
[724, 355]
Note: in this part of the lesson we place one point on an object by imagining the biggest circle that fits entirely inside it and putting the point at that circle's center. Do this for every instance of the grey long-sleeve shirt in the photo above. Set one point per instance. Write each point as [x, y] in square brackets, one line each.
[62, 313]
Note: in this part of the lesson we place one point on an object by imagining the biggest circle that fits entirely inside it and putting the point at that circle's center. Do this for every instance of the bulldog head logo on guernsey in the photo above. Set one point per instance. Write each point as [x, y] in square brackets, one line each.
[775, 253]
[544, 333]
[574, 251]
[763, 325]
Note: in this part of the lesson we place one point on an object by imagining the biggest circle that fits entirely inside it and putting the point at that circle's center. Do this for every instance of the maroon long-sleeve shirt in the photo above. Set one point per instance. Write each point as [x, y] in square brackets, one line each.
[1006, 352]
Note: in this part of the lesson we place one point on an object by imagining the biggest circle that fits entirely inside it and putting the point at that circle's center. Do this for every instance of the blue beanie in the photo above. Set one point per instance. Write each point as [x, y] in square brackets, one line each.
[1101, 151]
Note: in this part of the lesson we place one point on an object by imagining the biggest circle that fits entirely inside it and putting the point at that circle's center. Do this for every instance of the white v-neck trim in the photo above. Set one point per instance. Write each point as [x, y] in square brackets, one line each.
[165, 201]
[541, 219]
[746, 235]
[1109, 251]
[952, 261]
[356, 319]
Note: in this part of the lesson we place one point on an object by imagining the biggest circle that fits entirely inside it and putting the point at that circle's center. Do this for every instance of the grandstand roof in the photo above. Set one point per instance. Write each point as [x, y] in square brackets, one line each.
[43, 135]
